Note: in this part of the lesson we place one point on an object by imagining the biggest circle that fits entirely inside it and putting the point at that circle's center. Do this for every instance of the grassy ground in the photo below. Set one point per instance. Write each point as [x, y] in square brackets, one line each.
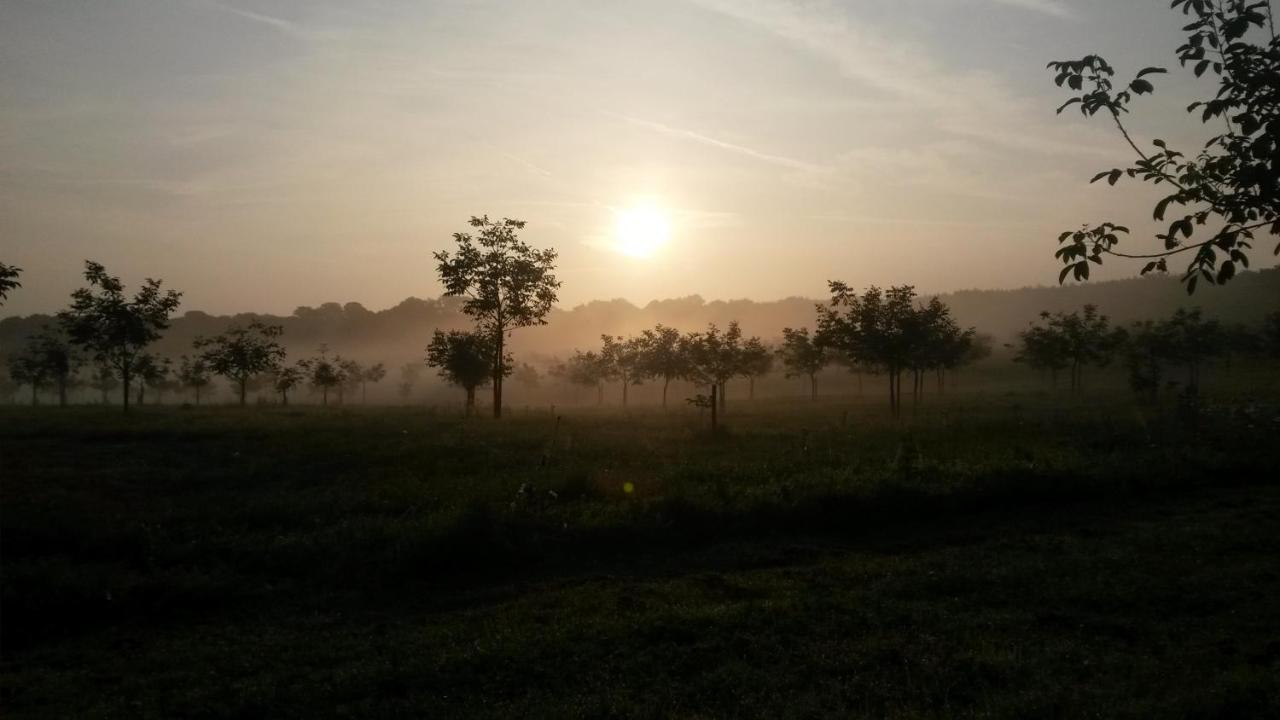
[1001, 558]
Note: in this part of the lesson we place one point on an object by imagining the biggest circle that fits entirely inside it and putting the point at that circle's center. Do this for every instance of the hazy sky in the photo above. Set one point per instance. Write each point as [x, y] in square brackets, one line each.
[264, 154]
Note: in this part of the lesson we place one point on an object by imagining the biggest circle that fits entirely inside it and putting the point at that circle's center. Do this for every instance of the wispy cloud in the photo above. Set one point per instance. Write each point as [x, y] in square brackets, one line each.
[280, 24]
[716, 143]
[1048, 7]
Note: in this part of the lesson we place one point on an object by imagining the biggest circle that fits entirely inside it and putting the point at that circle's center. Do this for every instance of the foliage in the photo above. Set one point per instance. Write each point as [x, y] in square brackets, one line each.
[663, 356]
[286, 378]
[9, 275]
[409, 374]
[47, 359]
[623, 359]
[194, 373]
[1232, 185]
[323, 374]
[803, 357]
[1069, 341]
[507, 285]
[464, 359]
[241, 353]
[587, 369]
[152, 371]
[113, 329]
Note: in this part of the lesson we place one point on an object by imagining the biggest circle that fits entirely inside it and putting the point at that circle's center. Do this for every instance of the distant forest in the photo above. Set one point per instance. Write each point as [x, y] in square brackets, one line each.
[399, 335]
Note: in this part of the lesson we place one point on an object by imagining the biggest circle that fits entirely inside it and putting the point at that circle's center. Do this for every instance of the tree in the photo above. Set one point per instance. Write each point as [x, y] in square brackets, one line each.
[802, 357]
[152, 372]
[1271, 334]
[586, 369]
[351, 373]
[464, 359]
[8, 280]
[47, 359]
[241, 353]
[1232, 185]
[322, 374]
[285, 379]
[1192, 342]
[663, 355]
[409, 374]
[372, 374]
[507, 285]
[623, 357]
[194, 373]
[874, 328]
[715, 357]
[113, 329]
[104, 381]
[1078, 339]
[756, 361]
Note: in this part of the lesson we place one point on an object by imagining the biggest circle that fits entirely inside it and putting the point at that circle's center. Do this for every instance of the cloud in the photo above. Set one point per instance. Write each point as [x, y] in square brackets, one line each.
[713, 142]
[1048, 7]
[932, 97]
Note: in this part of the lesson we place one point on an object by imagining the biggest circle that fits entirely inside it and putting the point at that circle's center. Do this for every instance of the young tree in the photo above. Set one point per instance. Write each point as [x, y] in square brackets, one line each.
[1080, 338]
[623, 357]
[104, 381]
[527, 376]
[194, 373]
[803, 357]
[322, 374]
[285, 379]
[1042, 348]
[586, 369]
[8, 280]
[409, 374]
[464, 359]
[1192, 342]
[352, 373]
[113, 329]
[715, 357]
[756, 361]
[507, 285]
[152, 372]
[48, 358]
[663, 355]
[372, 374]
[1232, 186]
[241, 353]
[875, 328]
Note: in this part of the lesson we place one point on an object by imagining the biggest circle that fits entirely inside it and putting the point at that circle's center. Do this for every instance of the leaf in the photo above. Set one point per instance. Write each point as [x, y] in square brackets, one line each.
[1062, 276]
[1151, 71]
[1141, 87]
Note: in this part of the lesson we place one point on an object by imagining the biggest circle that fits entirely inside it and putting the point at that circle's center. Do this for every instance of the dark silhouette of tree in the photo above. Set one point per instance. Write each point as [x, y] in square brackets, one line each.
[756, 361]
[526, 376]
[241, 353]
[1193, 342]
[372, 374]
[624, 359]
[47, 359]
[663, 356]
[152, 371]
[586, 369]
[876, 328]
[507, 285]
[715, 357]
[104, 381]
[464, 359]
[1232, 185]
[351, 373]
[803, 357]
[8, 280]
[194, 373]
[286, 378]
[1080, 339]
[409, 375]
[322, 374]
[113, 329]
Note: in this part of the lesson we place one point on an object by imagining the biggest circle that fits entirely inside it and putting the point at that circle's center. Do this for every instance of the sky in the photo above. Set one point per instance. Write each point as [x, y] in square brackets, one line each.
[259, 155]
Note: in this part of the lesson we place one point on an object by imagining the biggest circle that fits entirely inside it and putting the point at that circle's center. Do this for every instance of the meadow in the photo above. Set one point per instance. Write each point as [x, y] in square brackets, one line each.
[996, 555]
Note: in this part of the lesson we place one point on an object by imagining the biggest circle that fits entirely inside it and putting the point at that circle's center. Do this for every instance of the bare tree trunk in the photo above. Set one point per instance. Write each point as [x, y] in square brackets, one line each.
[124, 384]
[497, 375]
[599, 394]
[244, 383]
[624, 391]
[751, 387]
[665, 382]
[35, 394]
[723, 384]
[813, 387]
[471, 401]
[324, 396]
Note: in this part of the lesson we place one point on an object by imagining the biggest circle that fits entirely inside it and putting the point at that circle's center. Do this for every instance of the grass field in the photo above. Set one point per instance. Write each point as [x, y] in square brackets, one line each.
[1013, 556]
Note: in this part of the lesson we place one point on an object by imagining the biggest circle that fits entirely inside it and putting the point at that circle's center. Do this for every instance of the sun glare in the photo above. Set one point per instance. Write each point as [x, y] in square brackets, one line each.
[641, 230]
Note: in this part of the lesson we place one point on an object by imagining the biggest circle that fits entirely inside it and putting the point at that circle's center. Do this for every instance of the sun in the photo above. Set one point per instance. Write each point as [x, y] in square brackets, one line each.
[641, 230]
